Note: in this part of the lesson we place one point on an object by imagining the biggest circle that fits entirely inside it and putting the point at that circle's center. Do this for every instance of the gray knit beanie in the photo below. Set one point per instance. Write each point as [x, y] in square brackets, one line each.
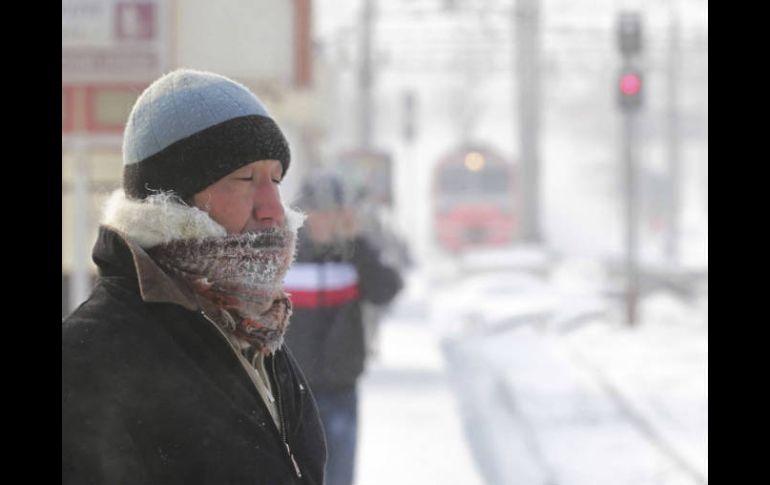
[190, 128]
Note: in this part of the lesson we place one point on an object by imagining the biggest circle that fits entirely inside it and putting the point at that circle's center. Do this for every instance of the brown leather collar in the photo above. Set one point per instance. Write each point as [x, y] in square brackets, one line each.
[155, 285]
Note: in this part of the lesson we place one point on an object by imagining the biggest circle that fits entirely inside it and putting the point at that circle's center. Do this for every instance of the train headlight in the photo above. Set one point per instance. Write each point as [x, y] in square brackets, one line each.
[474, 161]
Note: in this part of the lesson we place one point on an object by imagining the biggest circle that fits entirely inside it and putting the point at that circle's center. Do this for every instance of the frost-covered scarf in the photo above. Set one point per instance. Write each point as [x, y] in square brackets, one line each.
[241, 274]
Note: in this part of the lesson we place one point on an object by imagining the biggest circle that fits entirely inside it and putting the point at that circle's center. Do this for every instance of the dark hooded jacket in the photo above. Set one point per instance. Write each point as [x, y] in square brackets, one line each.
[327, 286]
[153, 393]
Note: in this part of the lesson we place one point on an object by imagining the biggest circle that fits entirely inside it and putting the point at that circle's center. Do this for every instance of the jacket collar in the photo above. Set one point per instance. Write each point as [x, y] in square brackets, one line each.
[118, 255]
[129, 226]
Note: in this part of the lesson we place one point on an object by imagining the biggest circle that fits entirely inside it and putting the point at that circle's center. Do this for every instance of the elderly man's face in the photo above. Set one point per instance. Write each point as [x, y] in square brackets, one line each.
[246, 199]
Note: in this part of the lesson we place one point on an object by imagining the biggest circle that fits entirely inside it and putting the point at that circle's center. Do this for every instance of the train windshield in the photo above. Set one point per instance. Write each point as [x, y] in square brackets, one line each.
[459, 180]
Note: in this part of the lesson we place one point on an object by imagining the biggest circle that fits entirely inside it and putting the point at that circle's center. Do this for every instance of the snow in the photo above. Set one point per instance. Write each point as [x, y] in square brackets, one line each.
[410, 430]
[596, 402]
[661, 370]
[515, 366]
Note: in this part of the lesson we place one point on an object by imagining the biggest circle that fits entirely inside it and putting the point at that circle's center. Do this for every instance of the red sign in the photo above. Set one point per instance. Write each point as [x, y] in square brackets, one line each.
[67, 109]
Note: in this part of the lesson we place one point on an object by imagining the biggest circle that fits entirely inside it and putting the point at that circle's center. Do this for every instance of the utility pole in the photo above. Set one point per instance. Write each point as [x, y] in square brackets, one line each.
[632, 217]
[673, 151]
[365, 77]
[630, 100]
[527, 49]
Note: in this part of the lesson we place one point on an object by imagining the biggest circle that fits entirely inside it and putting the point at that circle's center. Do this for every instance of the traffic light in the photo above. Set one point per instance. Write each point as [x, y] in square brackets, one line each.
[630, 33]
[630, 89]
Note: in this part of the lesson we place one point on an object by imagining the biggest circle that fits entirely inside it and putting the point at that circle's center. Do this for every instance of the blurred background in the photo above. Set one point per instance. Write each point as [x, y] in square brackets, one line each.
[536, 169]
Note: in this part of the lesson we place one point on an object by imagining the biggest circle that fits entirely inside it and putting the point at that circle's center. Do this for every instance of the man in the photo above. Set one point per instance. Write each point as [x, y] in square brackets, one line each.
[336, 271]
[174, 371]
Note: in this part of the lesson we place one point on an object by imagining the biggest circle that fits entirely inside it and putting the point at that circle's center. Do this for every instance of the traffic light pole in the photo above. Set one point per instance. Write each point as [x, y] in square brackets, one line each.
[630, 97]
[632, 216]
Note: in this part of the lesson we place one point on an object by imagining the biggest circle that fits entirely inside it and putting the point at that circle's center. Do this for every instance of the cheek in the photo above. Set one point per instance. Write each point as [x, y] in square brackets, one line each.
[229, 210]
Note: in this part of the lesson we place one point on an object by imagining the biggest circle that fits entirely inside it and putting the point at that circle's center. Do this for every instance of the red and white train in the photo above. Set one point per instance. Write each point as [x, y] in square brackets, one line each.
[474, 198]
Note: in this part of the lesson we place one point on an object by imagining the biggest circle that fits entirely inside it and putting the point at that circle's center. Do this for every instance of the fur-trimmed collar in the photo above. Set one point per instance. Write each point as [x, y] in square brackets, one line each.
[163, 217]
[160, 219]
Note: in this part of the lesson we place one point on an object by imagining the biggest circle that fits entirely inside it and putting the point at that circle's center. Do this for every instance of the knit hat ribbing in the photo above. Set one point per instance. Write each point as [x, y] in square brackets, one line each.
[190, 128]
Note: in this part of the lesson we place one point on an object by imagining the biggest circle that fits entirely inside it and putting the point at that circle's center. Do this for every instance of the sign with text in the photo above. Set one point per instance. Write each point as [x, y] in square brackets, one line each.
[113, 40]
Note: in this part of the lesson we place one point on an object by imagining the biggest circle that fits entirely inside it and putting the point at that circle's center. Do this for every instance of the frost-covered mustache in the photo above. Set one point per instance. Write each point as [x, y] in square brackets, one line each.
[262, 256]
[259, 257]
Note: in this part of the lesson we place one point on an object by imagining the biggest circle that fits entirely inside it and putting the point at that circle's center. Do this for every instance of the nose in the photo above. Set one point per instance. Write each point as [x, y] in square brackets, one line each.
[267, 207]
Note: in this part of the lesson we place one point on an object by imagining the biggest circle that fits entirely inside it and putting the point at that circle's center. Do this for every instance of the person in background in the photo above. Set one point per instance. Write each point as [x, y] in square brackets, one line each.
[174, 370]
[335, 272]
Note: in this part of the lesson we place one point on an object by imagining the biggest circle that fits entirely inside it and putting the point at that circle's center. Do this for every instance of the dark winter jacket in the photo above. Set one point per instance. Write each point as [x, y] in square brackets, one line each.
[153, 393]
[327, 287]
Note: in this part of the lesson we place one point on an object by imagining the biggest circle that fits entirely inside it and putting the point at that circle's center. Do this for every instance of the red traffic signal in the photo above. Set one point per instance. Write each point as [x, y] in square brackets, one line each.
[630, 84]
[630, 89]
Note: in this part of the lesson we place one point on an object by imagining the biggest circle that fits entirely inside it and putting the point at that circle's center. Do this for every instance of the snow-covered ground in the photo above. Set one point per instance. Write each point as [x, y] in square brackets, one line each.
[410, 429]
[658, 371]
[596, 403]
